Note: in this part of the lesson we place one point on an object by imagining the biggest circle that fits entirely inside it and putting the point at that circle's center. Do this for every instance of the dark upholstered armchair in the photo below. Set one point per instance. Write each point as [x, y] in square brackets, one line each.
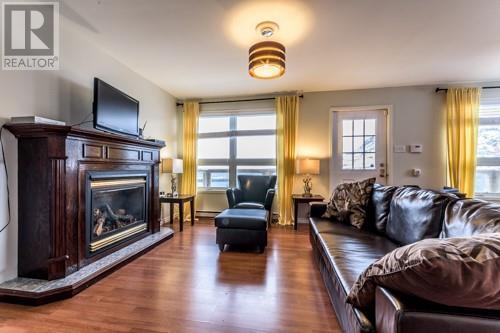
[255, 192]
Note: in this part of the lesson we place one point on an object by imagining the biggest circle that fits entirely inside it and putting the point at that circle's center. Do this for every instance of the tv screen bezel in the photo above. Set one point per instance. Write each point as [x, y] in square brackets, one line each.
[98, 126]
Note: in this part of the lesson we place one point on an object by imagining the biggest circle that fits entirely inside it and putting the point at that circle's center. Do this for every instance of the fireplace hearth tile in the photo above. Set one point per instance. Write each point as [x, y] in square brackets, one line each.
[100, 266]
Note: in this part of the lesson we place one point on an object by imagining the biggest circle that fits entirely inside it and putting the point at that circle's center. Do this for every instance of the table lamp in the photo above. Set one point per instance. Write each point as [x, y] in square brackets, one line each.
[174, 167]
[307, 167]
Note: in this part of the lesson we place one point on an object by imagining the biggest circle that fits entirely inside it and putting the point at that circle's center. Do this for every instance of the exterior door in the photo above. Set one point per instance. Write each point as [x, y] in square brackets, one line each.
[359, 146]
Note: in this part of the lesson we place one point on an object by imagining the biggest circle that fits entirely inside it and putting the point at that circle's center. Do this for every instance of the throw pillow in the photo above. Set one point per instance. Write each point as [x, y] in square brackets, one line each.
[459, 272]
[349, 201]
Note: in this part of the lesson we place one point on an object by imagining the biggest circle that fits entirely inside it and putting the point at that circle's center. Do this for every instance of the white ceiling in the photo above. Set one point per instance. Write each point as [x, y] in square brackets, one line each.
[199, 48]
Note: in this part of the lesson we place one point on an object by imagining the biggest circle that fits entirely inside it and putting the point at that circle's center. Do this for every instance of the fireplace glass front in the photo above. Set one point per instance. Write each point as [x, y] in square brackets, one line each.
[118, 211]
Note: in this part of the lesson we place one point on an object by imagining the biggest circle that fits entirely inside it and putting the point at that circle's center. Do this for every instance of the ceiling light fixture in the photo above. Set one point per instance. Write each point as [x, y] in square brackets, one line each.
[266, 60]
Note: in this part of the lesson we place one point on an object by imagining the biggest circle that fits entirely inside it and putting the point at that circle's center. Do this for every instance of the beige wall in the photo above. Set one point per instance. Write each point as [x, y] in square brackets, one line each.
[67, 95]
[418, 117]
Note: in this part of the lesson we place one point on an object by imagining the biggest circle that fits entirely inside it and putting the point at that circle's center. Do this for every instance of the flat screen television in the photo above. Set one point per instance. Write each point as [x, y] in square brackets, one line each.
[114, 110]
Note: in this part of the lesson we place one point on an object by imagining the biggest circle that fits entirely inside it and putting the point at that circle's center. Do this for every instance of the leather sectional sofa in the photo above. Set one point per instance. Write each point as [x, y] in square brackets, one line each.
[343, 252]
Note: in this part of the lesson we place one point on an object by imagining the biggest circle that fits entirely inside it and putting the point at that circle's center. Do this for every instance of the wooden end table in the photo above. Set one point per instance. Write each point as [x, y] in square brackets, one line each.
[181, 199]
[298, 199]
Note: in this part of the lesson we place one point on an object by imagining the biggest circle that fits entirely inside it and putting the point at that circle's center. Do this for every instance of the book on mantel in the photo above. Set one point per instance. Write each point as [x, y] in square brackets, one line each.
[35, 120]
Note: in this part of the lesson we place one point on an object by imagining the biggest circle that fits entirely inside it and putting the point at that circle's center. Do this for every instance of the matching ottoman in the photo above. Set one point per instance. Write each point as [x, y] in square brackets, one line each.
[242, 227]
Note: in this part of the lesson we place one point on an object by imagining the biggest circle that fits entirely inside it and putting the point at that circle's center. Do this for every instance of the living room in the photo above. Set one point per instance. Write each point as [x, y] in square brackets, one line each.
[250, 166]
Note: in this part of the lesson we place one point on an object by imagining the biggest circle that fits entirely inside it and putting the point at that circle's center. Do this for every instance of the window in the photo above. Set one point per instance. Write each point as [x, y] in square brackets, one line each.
[488, 151]
[231, 145]
[358, 144]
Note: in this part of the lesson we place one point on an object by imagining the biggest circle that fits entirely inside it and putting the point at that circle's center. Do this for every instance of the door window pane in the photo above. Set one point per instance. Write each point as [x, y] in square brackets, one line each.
[370, 144]
[346, 127]
[213, 124]
[358, 144]
[358, 127]
[347, 161]
[213, 176]
[370, 161]
[256, 122]
[256, 146]
[370, 126]
[210, 148]
[347, 144]
[358, 162]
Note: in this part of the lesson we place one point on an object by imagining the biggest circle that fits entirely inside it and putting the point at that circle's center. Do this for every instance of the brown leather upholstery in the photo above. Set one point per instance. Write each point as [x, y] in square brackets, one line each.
[343, 252]
[416, 214]
[378, 207]
[350, 319]
[468, 217]
[350, 250]
[396, 313]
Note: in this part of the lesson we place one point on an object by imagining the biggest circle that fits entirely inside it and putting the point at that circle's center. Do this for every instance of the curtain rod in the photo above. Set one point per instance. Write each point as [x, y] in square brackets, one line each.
[238, 100]
[490, 87]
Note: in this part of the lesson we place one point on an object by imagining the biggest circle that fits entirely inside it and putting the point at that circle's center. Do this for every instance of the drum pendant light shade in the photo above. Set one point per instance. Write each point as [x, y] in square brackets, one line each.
[266, 60]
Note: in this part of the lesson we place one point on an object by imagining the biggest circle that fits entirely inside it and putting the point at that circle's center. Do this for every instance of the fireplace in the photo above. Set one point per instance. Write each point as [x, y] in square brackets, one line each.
[116, 208]
[83, 195]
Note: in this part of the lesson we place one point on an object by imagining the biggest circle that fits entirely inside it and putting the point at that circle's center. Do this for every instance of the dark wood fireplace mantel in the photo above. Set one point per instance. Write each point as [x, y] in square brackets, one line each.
[53, 163]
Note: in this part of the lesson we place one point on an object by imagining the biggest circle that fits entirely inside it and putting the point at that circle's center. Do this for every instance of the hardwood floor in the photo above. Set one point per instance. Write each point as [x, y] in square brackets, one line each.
[186, 285]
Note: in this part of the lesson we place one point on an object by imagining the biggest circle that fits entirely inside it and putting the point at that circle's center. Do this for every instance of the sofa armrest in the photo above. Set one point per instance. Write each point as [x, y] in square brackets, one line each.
[397, 313]
[233, 196]
[269, 199]
[317, 209]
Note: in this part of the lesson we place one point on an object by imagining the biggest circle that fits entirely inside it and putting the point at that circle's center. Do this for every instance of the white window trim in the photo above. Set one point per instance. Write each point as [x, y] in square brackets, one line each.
[488, 161]
[233, 133]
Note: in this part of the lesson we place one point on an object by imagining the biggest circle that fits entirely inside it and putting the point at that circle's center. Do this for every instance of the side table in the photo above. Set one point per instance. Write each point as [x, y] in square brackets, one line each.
[181, 199]
[298, 199]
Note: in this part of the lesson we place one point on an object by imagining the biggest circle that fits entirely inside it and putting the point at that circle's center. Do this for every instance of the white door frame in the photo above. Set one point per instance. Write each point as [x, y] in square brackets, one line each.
[389, 126]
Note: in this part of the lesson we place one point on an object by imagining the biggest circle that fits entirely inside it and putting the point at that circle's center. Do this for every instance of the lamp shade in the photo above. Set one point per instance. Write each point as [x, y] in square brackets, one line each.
[266, 60]
[171, 165]
[307, 166]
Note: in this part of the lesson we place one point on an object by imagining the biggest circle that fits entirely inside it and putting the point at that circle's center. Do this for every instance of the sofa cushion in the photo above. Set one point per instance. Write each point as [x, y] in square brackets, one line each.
[459, 272]
[379, 207]
[350, 250]
[249, 205]
[349, 202]
[416, 214]
[470, 217]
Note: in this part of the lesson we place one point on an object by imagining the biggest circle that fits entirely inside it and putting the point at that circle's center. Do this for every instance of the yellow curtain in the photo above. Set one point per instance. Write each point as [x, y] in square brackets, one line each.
[189, 149]
[461, 129]
[287, 114]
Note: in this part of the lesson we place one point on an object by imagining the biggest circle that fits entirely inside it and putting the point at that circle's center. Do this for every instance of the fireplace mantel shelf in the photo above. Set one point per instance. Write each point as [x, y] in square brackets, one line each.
[43, 130]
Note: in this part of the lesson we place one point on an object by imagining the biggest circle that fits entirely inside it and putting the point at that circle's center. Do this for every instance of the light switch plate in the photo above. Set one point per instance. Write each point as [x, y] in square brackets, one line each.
[399, 148]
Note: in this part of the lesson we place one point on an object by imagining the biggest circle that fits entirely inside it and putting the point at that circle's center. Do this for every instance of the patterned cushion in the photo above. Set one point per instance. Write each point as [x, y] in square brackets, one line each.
[459, 272]
[349, 202]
